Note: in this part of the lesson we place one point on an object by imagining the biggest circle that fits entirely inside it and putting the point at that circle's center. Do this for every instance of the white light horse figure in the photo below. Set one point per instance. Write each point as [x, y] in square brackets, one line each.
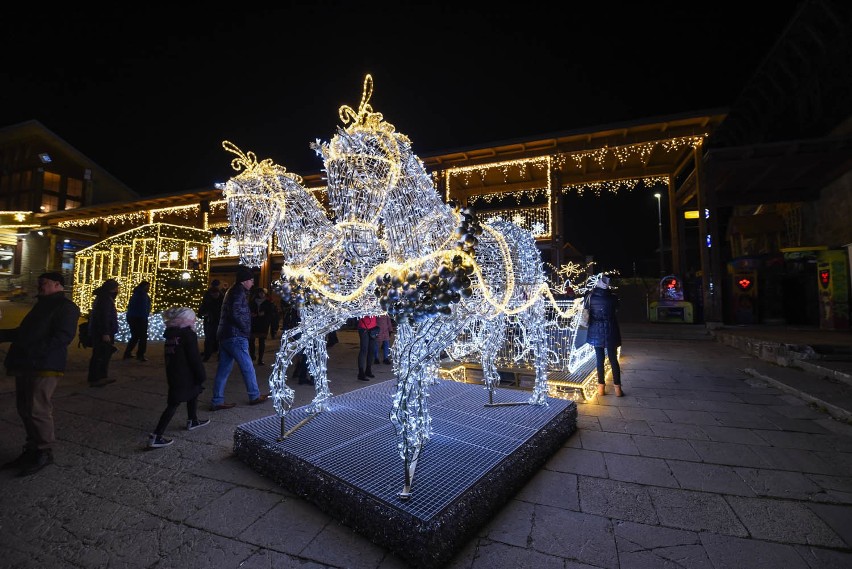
[394, 247]
[444, 272]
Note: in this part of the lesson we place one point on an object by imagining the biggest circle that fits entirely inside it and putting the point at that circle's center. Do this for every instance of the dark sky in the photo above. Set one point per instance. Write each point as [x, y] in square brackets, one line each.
[150, 94]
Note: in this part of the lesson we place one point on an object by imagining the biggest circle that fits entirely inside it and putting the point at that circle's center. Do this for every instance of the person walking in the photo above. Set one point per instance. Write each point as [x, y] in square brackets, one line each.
[604, 332]
[37, 359]
[185, 373]
[138, 312]
[211, 311]
[103, 326]
[233, 335]
[263, 314]
[386, 328]
[368, 329]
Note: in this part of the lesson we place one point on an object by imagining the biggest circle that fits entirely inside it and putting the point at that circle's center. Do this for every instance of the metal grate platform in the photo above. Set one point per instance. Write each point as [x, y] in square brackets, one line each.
[346, 461]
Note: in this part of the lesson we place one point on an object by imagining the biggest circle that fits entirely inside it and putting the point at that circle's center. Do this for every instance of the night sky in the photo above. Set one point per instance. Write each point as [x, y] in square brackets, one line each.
[150, 94]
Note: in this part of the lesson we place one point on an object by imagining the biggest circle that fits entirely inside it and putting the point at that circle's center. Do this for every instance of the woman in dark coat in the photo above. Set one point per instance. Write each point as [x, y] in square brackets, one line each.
[184, 372]
[604, 332]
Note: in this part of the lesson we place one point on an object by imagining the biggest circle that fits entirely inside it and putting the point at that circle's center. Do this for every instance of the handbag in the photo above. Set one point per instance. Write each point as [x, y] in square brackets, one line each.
[583, 317]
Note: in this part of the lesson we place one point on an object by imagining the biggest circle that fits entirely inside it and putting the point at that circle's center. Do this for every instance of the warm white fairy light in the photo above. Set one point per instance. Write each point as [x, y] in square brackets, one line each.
[614, 186]
[394, 247]
[172, 258]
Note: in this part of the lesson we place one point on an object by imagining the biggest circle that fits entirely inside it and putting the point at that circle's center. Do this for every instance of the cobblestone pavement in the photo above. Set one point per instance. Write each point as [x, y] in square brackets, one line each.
[701, 465]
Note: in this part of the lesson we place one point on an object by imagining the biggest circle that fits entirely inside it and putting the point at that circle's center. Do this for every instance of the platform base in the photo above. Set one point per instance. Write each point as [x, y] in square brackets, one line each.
[345, 460]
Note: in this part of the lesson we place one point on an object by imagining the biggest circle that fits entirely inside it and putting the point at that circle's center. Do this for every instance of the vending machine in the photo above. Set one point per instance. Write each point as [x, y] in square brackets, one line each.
[743, 274]
[833, 286]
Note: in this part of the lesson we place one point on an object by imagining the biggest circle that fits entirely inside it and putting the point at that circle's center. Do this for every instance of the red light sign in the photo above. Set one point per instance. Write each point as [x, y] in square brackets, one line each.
[744, 283]
[824, 277]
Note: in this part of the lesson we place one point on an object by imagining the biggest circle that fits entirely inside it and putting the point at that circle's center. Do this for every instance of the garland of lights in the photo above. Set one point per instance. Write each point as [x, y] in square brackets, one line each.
[390, 249]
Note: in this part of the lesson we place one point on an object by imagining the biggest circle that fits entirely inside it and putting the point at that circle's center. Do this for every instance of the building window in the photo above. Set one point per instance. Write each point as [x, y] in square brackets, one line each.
[73, 188]
[71, 204]
[49, 202]
[51, 182]
[7, 258]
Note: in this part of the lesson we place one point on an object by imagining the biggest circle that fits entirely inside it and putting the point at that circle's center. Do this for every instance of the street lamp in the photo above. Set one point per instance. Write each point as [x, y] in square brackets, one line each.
[660, 232]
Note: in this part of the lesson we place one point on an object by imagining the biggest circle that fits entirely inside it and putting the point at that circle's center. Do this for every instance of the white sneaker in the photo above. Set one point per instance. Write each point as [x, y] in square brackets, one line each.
[192, 425]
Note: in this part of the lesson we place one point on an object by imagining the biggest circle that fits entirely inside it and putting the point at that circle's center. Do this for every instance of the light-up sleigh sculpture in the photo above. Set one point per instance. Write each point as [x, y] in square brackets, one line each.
[394, 247]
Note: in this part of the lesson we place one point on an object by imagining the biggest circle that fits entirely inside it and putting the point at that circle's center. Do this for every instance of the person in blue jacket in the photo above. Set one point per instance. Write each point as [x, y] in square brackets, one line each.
[233, 335]
[604, 332]
[138, 312]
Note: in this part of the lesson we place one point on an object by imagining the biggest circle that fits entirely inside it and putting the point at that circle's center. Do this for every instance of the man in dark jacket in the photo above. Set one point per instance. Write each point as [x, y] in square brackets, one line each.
[103, 326]
[233, 335]
[604, 332]
[37, 358]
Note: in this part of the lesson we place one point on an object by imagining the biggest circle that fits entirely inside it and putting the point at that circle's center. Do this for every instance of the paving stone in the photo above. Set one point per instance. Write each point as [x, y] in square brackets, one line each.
[778, 483]
[639, 470]
[551, 488]
[642, 546]
[575, 536]
[709, 478]
[664, 447]
[608, 442]
[578, 461]
[730, 454]
[696, 511]
[618, 500]
[783, 521]
[728, 552]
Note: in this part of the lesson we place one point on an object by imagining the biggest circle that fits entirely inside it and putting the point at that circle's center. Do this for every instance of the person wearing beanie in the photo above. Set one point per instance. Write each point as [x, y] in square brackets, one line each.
[185, 373]
[233, 336]
[103, 326]
[37, 358]
[604, 332]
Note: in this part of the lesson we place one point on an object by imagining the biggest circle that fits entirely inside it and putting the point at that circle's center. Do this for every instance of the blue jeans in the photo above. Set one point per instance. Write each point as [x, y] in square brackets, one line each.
[230, 350]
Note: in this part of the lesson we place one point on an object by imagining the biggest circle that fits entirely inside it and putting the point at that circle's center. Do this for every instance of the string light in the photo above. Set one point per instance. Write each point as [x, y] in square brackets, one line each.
[394, 247]
[172, 258]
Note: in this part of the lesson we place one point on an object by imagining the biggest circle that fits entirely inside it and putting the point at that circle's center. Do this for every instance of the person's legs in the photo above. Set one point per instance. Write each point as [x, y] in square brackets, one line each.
[599, 360]
[99, 363]
[24, 404]
[223, 370]
[165, 418]
[251, 347]
[239, 351]
[363, 346]
[143, 338]
[374, 351]
[261, 349]
[613, 365]
[192, 409]
[134, 339]
[386, 350]
[209, 338]
[616, 370]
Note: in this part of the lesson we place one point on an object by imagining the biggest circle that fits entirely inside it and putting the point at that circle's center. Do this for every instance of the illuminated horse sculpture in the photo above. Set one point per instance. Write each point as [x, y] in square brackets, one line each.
[395, 247]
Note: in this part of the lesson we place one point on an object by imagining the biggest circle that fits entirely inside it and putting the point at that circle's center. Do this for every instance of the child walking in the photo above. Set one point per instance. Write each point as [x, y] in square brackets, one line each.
[184, 372]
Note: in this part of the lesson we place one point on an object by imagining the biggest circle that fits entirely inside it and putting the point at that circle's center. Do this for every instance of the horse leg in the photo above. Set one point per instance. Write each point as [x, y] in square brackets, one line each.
[535, 325]
[317, 358]
[490, 346]
[282, 394]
